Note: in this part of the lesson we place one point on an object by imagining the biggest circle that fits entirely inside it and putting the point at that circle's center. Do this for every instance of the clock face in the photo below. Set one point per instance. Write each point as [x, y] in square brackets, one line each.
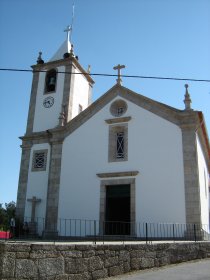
[48, 102]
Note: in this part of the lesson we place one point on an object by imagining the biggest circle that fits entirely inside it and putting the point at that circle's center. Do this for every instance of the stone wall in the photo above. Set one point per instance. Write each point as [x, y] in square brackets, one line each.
[81, 262]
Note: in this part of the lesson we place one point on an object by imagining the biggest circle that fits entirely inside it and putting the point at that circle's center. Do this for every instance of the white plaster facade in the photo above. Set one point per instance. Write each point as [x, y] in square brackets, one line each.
[81, 88]
[49, 115]
[154, 149]
[37, 187]
[165, 166]
[204, 184]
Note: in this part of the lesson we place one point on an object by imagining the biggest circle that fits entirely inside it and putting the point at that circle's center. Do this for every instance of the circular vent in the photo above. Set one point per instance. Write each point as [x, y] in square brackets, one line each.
[118, 108]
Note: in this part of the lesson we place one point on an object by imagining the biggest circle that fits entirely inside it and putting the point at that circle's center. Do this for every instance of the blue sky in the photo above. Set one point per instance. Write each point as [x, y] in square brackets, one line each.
[168, 38]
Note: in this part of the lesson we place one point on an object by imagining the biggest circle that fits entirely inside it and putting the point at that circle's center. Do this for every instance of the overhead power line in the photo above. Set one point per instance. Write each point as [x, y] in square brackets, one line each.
[111, 75]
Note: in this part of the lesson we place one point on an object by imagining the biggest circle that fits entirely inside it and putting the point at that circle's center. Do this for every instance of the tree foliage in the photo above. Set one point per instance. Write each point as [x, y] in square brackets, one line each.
[6, 213]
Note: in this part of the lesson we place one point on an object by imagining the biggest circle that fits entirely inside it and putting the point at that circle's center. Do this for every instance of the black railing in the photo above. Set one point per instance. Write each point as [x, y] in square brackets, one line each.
[78, 229]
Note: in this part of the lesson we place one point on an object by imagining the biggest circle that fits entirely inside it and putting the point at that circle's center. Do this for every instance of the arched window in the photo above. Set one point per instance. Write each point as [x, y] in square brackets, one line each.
[50, 80]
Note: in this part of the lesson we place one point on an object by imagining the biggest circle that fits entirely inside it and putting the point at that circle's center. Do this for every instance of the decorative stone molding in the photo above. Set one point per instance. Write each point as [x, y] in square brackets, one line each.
[118, 120]
[62, 62]
[118, 174]
[187, 99]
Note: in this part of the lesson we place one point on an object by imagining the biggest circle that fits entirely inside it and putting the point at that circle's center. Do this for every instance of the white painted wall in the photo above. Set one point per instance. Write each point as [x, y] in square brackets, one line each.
[81, 88]
[154, 149]
[37, 186]
[204, 183]
[46, 118]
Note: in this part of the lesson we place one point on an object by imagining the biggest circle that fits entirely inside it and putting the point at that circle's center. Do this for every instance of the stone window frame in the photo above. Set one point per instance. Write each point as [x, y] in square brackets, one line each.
[114, 182]
[33, 168]
[112, 146]
[46, 77]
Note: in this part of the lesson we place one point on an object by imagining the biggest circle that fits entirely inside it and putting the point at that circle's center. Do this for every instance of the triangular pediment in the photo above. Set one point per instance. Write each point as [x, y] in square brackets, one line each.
[160, 109]
[181, 118]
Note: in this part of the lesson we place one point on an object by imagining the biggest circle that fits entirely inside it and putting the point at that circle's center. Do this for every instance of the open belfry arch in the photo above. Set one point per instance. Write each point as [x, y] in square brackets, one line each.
[124, 157]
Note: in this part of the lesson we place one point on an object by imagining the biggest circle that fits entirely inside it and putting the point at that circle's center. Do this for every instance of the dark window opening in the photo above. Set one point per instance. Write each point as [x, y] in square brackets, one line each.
[39, 161]
[50, 81]
[120, 111]
[120, 145]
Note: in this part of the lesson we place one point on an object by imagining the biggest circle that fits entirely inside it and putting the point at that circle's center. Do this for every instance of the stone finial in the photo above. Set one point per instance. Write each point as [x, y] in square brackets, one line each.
[66, 55]
[72, 50]
[62, 117]
[187, 99]
[89, 68]
[39, 59]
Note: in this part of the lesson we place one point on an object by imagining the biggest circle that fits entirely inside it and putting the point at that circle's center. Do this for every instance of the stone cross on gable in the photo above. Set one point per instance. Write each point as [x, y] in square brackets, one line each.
[33, 200]
[118, 68]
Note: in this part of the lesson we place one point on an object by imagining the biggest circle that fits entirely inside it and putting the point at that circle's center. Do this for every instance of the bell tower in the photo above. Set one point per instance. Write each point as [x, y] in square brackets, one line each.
[61, 88]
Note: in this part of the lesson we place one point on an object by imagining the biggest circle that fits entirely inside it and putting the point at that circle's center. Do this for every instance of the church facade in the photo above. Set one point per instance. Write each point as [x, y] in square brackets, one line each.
[124, 158]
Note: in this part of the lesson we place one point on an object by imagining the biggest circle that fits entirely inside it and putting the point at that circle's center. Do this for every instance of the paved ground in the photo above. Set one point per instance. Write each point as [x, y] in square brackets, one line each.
[197, 270]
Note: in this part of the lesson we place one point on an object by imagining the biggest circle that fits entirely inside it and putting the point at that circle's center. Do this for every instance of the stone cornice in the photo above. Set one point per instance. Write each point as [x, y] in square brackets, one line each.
[63, 62]
[48, 136]
[118, 120]
[188, 119]
[181, 118]
[118, 174]
[44, 135]
[26, 145]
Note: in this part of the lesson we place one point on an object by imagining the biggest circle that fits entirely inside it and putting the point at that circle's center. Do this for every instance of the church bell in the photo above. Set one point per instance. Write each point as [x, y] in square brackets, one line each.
[52, 81]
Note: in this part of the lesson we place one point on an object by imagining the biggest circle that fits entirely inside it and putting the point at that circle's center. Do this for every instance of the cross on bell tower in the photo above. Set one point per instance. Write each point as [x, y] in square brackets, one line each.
[68, 31]
[118, 68]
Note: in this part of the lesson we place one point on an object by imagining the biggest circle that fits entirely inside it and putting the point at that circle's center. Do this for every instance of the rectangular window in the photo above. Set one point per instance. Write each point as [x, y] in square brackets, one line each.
[120, 145]
[39, 160]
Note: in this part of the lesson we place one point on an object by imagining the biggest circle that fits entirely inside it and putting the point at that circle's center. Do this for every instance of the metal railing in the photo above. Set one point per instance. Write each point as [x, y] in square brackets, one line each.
[94, 230]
